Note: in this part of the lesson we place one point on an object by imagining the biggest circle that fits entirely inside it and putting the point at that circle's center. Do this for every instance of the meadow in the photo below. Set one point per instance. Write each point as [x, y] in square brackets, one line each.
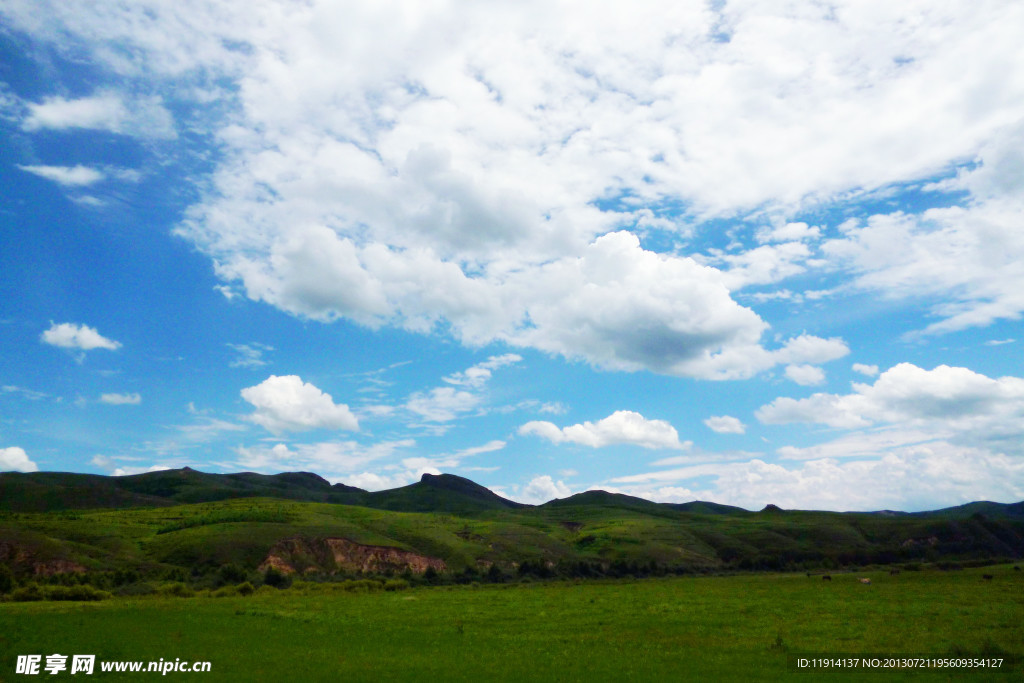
[739, 627]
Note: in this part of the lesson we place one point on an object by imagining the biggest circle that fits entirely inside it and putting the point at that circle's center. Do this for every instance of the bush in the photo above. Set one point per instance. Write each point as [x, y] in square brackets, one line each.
[176, 590]
[361, 586]
[276, 578]
[396, 585]
[29, 593]
[79, 592]
[225, 592]
[135, 589]
[232, 573]
[245, 588]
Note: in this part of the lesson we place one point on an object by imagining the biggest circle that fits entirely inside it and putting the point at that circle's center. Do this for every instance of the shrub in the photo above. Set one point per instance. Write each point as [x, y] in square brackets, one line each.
[225, 592]
[28, 593]
[177, 590]
[245, 588]
[134, 589]
[79, 592]
[232, 573]
[361, 586]
[396, 585]
[276, 578]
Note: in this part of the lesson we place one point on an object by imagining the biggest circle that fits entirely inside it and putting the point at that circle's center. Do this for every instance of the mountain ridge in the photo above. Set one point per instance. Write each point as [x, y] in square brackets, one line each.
[53, 491]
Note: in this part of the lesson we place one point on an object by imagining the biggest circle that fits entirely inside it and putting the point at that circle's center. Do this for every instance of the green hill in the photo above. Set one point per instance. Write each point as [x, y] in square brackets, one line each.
[195, 522]
[438, 493]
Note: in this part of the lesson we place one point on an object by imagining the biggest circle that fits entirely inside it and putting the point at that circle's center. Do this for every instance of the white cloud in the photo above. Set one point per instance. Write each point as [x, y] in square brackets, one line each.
[330, 459]
[207, 428]
[967, 259]
[127, 471]
[250, 355]
[376, 481]
[862, 444]
[725, 424]
[541, 489]
[478, 375]
[69, 176]
[140, 117]
[621, 427]
[869, 370]
[805, 375]
[442, 404]
[121, 399]
[919, 477]
[952, 402]
[72, 336]
[287, 403]
[14, 459]
[789, 232]
[30, 394]
[489, 447]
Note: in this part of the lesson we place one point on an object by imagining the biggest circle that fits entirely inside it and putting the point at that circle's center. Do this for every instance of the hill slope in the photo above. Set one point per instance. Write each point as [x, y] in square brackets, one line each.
[252, 519]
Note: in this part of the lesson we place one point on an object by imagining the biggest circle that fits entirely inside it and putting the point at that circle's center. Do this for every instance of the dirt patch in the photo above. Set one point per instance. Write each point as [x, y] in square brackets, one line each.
[329, 555]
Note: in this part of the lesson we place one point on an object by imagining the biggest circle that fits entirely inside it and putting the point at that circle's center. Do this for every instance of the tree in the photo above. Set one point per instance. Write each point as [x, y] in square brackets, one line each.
[6, 579]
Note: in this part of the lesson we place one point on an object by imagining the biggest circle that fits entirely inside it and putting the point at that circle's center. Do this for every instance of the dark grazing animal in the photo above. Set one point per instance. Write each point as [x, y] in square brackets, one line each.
[987, 577]
[894, 572]
[826, 577]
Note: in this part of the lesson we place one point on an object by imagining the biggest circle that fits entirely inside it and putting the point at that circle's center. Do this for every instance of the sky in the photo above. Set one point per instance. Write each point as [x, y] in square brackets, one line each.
[744, 251]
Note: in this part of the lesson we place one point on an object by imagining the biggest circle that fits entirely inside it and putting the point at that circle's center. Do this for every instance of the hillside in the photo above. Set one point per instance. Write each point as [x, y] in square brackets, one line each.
[300, 522]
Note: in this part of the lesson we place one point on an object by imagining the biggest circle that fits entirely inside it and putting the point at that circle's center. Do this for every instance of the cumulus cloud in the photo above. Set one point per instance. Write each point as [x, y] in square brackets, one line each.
[121, 399]
[805, 375]
[356, 217]
[869, 370]
[73, 336]
[286, 403]
[14, 459]
[725, 424]
[948, 400]
[621, 427]
[112, 112]
[540, 490]
[69, 176]
[789, 232]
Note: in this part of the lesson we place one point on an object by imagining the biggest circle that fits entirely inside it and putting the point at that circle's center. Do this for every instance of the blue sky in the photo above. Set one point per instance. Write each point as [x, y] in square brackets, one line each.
[748, 252]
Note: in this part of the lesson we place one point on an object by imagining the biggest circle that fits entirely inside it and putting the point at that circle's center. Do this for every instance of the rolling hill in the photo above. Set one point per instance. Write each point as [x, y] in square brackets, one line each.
[184, 520]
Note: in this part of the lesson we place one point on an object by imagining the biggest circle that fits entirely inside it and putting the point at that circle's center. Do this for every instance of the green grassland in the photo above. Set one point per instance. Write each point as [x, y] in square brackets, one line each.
[741, 627]
[598, 586]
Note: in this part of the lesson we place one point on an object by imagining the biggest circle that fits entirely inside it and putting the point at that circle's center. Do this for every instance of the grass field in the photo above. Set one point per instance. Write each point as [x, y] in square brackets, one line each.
[740, 627]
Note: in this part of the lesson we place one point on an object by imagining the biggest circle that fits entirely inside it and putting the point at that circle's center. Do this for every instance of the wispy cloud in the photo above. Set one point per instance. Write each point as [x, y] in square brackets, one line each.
[69, 176]
[121, 399]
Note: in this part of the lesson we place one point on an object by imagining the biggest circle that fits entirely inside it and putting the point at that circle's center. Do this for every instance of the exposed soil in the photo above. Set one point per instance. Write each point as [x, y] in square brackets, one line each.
[293, 555]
